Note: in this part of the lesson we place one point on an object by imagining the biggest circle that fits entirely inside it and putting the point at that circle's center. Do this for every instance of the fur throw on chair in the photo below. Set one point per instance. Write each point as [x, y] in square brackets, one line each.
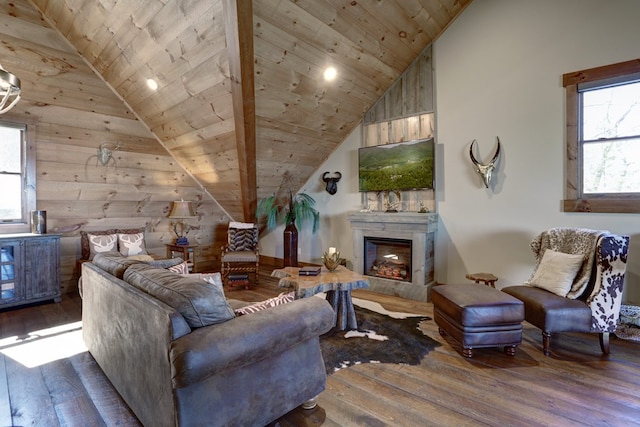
[578, 241]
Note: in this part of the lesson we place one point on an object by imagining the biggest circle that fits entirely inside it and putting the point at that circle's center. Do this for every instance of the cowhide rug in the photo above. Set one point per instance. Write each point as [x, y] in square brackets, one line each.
[380, 339]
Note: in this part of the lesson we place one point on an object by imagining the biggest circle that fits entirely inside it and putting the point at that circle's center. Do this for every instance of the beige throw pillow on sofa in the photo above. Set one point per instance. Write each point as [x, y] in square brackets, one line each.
[556, 272]
[131, 244]
[101, 243]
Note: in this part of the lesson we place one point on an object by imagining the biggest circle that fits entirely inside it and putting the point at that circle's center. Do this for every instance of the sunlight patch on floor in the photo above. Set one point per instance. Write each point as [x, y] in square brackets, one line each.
[41, 347]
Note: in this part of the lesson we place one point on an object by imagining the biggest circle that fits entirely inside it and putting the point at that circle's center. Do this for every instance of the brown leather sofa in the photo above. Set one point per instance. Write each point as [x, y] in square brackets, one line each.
[138, 324]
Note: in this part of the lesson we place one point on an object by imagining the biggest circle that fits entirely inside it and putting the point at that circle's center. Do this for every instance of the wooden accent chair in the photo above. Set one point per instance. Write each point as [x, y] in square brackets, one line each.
[590, 300]
[240, 254]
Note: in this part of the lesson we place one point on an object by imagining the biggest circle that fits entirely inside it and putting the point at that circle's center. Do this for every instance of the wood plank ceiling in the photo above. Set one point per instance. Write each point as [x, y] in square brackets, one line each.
[241, 102]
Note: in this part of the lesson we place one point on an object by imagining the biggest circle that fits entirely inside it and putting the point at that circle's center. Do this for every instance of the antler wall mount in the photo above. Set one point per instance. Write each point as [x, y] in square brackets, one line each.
[485, 170]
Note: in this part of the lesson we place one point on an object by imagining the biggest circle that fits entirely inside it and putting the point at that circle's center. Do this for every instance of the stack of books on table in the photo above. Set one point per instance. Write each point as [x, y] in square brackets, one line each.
[238, 280]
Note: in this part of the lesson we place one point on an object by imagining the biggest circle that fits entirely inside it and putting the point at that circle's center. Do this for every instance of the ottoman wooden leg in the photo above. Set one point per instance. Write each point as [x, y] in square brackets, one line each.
[546, 341]
[467, 352]
[511, 350]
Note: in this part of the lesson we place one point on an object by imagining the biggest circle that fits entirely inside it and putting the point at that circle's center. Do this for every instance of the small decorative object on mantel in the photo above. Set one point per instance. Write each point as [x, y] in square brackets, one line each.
[391, 200]
[331, 259]
[423, 208]
[485, 171]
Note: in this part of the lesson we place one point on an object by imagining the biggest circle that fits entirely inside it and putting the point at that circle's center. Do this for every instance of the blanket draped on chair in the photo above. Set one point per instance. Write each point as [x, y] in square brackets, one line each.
[580, 241]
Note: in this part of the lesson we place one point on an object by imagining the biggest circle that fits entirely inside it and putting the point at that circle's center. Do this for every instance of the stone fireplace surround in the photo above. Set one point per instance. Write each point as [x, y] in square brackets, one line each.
[420, 228]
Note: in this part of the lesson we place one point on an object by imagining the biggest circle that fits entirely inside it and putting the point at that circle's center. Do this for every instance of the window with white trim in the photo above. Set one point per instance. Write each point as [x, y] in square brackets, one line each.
[603, 139]
[17, 177]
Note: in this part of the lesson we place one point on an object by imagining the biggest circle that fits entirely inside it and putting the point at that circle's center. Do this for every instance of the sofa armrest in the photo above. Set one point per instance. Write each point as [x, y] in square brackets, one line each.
[247, 339]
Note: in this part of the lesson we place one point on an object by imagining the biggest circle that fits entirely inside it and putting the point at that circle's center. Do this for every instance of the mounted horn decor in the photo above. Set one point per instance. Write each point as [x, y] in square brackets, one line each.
[105, 153]
[332, 181]
[485, 171]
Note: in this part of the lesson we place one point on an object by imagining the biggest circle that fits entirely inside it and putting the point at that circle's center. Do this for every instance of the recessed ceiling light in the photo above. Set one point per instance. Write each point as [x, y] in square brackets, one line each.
[152, 84]
[330, 74]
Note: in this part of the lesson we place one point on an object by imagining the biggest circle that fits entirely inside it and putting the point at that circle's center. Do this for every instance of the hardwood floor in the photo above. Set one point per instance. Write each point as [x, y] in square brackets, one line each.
[576, 385]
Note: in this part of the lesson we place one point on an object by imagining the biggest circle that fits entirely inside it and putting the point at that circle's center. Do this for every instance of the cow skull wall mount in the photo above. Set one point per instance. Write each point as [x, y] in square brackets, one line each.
[332, 181]
[485, 171]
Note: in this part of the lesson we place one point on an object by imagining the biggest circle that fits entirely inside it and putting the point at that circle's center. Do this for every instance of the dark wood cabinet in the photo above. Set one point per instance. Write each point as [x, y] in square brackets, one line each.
[29, 268]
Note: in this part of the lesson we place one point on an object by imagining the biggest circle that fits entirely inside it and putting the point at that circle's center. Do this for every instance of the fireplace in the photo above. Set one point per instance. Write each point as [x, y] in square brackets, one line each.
[387, 258]
[379, 237]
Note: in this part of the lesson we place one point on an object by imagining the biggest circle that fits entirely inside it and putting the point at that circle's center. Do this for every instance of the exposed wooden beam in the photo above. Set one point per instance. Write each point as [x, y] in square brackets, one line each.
[238, 19]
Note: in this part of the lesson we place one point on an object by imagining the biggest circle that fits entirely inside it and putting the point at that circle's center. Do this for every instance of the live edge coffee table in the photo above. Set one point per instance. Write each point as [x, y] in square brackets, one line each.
[337, 284]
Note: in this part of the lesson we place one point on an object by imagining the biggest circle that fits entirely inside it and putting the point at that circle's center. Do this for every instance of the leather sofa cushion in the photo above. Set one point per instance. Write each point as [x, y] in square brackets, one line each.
[201, 303]
[114, 263]
[550, 312]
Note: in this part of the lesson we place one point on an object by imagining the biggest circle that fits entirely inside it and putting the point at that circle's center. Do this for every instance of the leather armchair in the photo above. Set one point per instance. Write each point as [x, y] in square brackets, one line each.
[596, 310]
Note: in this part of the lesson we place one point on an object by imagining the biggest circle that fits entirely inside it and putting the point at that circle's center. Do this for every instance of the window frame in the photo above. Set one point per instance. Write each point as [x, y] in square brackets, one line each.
[604, 203]
[29, 179]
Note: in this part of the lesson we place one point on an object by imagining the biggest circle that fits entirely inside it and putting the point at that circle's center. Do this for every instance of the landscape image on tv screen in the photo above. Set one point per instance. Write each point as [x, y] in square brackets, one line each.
[400, 166]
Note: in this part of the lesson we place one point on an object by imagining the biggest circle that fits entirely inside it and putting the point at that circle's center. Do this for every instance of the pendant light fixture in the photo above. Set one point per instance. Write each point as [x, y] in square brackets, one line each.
[9, 90]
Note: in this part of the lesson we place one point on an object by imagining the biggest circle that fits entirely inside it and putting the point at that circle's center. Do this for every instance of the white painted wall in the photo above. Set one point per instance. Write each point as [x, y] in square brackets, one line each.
[498, 72]
[334, 230]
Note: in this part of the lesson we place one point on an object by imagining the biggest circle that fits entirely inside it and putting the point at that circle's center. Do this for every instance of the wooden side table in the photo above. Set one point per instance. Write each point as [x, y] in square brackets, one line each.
[337, 284]
[186, 252]
[486, 278]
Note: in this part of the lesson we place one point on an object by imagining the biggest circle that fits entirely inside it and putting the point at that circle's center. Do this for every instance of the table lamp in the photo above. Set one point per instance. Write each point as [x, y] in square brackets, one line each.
[180, 211]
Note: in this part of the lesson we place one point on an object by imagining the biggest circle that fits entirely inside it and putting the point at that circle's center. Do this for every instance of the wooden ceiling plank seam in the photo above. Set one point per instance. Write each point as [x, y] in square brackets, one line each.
[327, 99]
[201, 136]
[398, 22]
[44, 36]
[377, 75]
[157, 33]
[108, 28]
[332, 43]
[212, 73]
[238, 18]
[167, 69]
[85, 22]
[185, 170]
[23, 11]
[390, 46]
[357, 25]
[137, 19]
[438, 11]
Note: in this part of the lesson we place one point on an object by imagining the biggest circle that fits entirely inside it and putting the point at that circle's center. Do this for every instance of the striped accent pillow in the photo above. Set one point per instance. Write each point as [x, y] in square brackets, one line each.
[263, 305]
[181, 268]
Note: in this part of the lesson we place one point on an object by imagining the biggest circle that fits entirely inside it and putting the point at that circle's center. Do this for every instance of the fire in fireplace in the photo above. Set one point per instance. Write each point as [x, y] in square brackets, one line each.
[387, 258]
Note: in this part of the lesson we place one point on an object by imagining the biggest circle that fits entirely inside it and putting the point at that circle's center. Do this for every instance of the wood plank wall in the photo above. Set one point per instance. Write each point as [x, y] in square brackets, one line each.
[73, 112]
[404, 113]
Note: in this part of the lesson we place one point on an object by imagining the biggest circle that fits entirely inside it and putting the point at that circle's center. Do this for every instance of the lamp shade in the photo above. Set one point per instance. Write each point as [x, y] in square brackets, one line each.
[182, 209]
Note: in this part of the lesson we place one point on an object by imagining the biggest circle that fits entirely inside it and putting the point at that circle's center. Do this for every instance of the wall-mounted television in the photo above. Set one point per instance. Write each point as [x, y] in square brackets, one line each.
[398, 166]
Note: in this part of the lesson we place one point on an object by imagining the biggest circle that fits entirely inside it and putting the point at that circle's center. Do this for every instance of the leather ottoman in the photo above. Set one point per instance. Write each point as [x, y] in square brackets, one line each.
[478, 316]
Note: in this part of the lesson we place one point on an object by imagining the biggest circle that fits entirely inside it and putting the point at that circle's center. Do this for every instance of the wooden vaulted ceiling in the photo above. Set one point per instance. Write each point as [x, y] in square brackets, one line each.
[241, 101]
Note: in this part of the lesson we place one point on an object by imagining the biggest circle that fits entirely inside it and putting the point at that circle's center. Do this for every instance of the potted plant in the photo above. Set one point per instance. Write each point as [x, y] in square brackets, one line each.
[294, 209]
